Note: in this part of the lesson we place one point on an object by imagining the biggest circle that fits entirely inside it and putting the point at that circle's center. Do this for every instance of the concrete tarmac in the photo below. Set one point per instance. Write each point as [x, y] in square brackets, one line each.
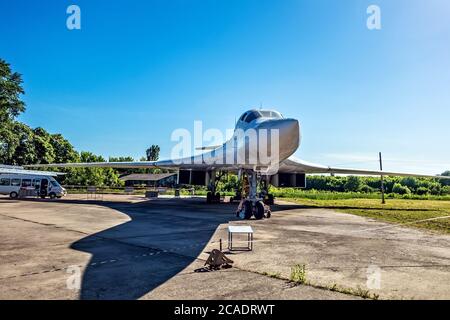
[127, 247]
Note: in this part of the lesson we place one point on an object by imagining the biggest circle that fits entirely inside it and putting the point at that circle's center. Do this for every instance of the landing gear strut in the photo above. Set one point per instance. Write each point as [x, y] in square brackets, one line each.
[212, 196]
[252, 205]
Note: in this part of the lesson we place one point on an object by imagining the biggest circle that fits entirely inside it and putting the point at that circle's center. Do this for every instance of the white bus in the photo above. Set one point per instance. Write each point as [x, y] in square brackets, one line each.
[14, 185]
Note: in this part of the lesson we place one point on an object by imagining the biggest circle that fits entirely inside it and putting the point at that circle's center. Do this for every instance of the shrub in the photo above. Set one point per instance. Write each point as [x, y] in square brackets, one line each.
[366, 189]
[422, 191]
[435, 189]
[399, 189]
[445, 190]
[410, 182]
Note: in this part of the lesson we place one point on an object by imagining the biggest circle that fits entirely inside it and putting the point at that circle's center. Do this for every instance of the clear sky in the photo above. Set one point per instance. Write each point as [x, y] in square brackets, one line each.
[137, 70]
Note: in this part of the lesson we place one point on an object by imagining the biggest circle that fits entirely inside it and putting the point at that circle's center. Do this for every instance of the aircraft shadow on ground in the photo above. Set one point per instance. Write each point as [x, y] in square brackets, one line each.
[161, 239]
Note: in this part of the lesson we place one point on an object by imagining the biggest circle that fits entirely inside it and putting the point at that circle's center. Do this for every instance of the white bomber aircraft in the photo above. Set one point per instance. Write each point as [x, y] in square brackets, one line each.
[261, 148]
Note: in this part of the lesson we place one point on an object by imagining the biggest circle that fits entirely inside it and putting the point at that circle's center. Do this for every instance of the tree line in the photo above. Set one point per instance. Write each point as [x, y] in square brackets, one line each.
[397, 185]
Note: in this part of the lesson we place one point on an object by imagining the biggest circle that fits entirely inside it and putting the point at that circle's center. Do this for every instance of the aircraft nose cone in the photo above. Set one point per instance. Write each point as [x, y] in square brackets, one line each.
[289, 135]
[288, 126]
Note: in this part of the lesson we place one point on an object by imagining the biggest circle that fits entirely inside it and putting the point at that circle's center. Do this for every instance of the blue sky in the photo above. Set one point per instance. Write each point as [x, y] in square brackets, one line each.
[137, 70]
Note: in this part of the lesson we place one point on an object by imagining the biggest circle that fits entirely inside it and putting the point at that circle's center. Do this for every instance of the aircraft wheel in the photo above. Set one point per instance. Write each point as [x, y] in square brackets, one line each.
[259, 210]
[13, 195]
[248, 212]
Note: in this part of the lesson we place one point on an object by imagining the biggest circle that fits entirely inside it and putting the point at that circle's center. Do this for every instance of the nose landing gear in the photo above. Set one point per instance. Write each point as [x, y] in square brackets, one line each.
[248, 208]
[252, 205]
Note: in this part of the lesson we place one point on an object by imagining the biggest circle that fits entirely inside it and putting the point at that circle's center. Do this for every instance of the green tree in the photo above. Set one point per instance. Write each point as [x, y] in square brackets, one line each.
[121, 159]
[92, 176]
[21, 145]
[42, 146]
[63, 150]
[11, 106]
[124, 159]
[353, 184]
[445, 182]
[10, 91]
[153, 153]
[9, 140]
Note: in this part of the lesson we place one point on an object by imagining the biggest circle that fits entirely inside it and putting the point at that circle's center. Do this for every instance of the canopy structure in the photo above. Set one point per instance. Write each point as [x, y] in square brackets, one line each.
[7, 169]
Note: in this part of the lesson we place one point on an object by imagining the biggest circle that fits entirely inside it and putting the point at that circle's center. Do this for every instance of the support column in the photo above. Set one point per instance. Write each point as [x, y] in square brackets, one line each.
[213, 181]
[253, 185]
[275, 180]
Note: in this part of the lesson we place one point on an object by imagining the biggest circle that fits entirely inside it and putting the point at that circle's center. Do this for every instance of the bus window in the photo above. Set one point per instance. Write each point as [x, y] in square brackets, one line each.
[54, 183]
[37, 182]
[15, 182]
[26, 183]
[5, 182]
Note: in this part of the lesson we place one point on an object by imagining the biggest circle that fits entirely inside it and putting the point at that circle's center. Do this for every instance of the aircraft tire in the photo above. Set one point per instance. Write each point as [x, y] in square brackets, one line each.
[259, 210]
[248, 210]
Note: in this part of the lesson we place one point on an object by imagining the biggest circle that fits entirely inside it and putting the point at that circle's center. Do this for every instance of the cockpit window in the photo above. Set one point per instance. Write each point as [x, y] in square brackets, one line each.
[271, 114]
[252, 115]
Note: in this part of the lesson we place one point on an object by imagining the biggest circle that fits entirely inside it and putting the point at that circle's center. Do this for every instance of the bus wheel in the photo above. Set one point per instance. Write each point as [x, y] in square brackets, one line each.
[52, 195]
[13, 195]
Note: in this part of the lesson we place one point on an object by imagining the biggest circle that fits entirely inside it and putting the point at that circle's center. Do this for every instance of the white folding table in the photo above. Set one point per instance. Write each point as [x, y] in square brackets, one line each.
[239, 230]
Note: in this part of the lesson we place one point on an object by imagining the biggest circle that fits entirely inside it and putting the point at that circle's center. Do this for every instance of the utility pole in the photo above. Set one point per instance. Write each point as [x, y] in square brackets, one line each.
[383, 201]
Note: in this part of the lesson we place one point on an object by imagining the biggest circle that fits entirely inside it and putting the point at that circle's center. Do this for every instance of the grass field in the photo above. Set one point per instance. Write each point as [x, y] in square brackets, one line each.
[398, 211]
